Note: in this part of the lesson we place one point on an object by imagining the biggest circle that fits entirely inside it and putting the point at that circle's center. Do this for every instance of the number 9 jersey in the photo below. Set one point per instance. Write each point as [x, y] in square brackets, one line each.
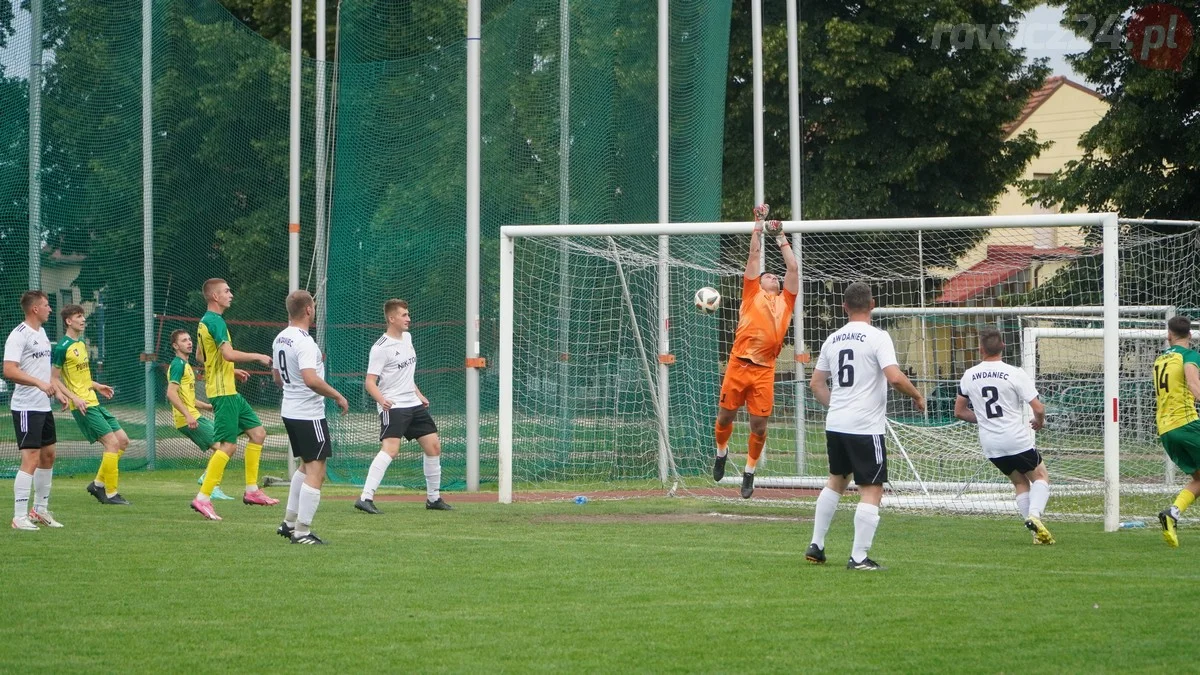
[999, 393]
[293, 352]
[855, 356]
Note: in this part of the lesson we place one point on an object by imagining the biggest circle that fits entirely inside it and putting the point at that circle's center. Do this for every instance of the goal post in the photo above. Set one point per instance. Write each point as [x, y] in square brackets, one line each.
[697, 252]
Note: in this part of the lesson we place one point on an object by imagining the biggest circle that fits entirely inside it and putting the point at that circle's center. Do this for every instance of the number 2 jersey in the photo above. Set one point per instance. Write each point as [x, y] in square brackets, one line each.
[855, 356]
[999, 393]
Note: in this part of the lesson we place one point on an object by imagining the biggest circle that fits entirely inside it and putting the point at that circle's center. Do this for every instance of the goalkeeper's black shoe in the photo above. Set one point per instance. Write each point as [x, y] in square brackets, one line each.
[96, 491]
[719, 467]
[866, 565]
[310, 539]
[815, 554]
[747, 485]
[116, 499]
[367, 506]
[437, 505]
[284, 530]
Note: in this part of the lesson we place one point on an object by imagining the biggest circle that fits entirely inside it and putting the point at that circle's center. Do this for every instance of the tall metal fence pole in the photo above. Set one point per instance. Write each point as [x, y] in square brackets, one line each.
[35, 144]
[149, 357]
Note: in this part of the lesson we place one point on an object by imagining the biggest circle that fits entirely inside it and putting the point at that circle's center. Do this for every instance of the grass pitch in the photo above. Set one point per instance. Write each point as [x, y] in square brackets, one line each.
[644, 585]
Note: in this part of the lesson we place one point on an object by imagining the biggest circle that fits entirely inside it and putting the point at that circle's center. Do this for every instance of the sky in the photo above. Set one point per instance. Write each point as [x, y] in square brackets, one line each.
[1039, 33]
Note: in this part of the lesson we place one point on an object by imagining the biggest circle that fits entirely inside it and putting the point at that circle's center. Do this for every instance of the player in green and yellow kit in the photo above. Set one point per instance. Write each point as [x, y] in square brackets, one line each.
[181, 392]
[72, 366]
[1177, 386]
[231, 413]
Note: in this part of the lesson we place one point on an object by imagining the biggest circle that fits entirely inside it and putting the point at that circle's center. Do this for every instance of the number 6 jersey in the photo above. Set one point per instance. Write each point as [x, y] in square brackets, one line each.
[855, 356]
[998, 393]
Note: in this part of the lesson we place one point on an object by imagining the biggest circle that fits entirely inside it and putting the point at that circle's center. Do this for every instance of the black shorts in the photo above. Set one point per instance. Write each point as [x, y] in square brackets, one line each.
[35, 429]
[309, 439]
[410, 423]
[1023, 462]
[863, 455]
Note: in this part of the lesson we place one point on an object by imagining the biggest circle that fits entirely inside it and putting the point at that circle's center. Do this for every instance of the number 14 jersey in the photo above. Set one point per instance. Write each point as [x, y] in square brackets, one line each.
[855, 356]
[999, 393]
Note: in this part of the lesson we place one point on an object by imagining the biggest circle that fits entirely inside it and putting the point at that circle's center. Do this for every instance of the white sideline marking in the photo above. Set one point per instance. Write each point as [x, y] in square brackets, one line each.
[738, 516]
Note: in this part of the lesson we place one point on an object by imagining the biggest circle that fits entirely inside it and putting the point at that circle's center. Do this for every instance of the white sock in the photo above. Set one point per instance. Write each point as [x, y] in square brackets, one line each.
[827, 503]
[379, 466]
[21, 487]
[41, 489]
[1023, 504]
[722, 453]
[433, 477]
[98, 483]
[203, 497]
[293, 501]
[310, 499]
[251, 488]
[1039, 494]
[866, 519]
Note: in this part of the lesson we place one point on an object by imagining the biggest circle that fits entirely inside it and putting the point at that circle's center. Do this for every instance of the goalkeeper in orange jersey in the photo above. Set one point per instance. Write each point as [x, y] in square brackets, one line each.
[766, 311]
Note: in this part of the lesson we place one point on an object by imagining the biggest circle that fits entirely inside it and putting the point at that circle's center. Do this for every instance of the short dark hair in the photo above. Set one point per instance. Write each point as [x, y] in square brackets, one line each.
[70, 311]
[1180, 326]
[990, 341]
[297, 301]
[211, 284]
[30, 297]
[857, 297]
[176, 333]
[393, 305]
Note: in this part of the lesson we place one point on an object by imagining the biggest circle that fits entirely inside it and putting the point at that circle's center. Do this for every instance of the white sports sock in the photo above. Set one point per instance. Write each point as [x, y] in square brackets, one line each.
[1039, 494]
[379, 466]
[293, 500]
[21, 487]
[433, 477]
[203, 497]
[1023, 504]
[722, 453]
[98, 483]
[310, 499]
[253, 487]
[866, 519]
[41, 489]
[827, 503]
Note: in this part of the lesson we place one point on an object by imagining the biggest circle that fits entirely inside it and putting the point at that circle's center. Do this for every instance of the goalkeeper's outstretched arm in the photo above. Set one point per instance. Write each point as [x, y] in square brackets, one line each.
[752, 267]
[791, 280]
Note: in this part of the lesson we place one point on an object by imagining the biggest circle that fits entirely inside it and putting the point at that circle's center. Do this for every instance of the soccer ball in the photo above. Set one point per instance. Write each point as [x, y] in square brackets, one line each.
[707, 300]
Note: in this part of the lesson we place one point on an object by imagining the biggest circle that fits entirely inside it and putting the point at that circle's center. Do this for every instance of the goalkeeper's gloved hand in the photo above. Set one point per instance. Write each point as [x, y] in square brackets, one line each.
[761, 211]
[773, 227]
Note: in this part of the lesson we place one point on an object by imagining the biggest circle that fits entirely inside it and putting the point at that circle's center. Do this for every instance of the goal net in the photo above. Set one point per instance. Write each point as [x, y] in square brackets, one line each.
[609, 377]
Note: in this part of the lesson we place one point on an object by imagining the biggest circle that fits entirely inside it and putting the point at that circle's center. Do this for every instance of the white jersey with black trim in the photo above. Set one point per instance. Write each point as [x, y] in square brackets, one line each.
[29, 349]
[999, 393]
[855, 356]
[394, 362]
[294, 351]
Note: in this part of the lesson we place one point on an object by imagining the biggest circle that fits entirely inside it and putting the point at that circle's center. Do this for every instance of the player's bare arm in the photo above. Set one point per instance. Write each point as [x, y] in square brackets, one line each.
[900, 382]
[234, 356]
[962, 410]
[241, 375]
[819, 384]
[61, 390]
[372, 386]
[313, 381]
[1192, 374]
[791, 278]
[14, 374]
[1039, 413]
[201, 405]
[752, 267]
[177, 403]
[421, 396]
[103, 389]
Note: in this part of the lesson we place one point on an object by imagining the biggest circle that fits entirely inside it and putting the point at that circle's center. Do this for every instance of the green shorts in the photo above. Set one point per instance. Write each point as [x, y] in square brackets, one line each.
[202, 435]
[231, 416]
[1183, 446]
[96, 423]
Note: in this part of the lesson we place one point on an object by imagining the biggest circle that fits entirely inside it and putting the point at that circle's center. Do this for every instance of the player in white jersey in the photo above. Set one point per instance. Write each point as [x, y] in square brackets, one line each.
[299, 369]
[27, 365]
[403, 409]
[998, 394]
[862, 362]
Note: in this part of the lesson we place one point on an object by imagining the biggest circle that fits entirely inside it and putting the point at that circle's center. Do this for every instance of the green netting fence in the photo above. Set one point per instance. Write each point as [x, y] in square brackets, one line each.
[397, 184]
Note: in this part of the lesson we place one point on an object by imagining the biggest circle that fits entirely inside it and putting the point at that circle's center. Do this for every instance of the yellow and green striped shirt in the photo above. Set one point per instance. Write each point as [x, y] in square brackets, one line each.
[218, 373]
[180, 373]
[71, 357]
[1176, 405]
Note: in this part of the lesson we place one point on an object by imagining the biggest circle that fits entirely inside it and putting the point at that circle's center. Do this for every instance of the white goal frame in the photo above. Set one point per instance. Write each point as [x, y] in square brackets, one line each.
[1108, 222]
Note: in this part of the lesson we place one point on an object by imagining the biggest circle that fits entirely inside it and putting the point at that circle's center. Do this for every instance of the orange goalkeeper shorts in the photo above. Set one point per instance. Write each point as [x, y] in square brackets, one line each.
[748, 384]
